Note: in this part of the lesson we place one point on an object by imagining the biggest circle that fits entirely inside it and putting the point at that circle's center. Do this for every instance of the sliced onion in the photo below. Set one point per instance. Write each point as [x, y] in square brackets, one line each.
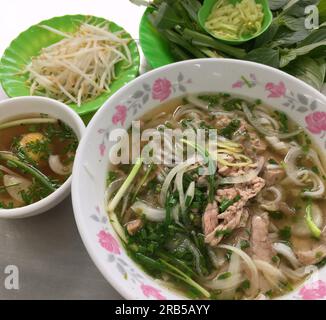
[217, 258]
[266, 119]
[15, 185]
[290, 165]
[184, 110]
[255, 123]
[232, 282]
[300, 228]
[113, 187]
[197, 102]
[245, 177]
[251, 266]
[278, 145]
[152, 214]
[297, 274]
[179, 185]
[170, 176]
[318, 188]
[58, 167]
[314, 156]
[271, 273]
[175, 213]
[273, 166]
[272, 205]
[286, 252]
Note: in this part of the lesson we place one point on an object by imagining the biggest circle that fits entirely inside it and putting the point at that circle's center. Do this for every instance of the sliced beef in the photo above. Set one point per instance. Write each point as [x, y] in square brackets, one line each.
[316, 253]
[261, 246]
[237, 214]
[210, 218]
[134, 226]
[313, 256]
[257, 143]
[273, 176]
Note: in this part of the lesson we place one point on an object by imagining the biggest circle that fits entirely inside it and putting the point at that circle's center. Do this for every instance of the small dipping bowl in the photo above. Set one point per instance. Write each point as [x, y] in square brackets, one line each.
[208, 6]
[21, 106]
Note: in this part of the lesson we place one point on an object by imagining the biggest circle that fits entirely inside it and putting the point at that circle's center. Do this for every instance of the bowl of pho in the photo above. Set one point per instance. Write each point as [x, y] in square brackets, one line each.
[205, 179]
[39, 139]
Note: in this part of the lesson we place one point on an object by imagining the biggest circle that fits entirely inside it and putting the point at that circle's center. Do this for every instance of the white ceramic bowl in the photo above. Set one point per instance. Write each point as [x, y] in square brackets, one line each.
[303, 103]
[21, 106]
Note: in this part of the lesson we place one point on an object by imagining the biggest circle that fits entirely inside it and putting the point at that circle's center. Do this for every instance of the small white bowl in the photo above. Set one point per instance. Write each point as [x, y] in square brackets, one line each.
[301, 102]
[21, 106]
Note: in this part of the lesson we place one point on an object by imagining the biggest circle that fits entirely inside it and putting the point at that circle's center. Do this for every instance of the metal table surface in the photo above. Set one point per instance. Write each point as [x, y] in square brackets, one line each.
[47, 249]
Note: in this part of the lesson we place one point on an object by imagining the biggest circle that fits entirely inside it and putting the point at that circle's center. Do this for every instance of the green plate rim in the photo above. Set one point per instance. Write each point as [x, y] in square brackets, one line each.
[148, 31]
[8, 61]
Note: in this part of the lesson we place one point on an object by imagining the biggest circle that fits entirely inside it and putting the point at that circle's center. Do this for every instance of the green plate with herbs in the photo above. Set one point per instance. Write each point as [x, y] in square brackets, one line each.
[155, 48]
[30, 43]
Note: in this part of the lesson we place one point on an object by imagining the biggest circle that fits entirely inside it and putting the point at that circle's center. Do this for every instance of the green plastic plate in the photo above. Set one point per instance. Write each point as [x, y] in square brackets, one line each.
[155, 48]
[29, 44]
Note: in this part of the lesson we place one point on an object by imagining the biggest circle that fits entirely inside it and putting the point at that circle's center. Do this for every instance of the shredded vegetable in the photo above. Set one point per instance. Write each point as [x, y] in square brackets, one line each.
[232, 22]
[79, 67]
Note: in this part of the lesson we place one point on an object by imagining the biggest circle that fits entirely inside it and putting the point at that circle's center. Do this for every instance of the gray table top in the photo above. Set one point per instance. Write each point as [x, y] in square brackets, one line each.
[51, 259]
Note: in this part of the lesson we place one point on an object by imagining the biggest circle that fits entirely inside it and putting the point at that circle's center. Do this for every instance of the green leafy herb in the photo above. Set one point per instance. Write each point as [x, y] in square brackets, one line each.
[224, 276]
[283, 120]
[244, 244]
[285, 233]
[230, 129]
[226, 203]
[225, 232]
[276, 215]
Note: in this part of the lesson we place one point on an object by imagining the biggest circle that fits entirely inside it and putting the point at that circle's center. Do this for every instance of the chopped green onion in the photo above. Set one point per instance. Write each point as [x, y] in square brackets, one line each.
[123, 189]
[315, 231]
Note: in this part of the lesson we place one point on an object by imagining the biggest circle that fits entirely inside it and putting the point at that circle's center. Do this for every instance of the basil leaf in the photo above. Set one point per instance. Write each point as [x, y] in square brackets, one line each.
[277, 4]
[267, 36]
[297, 9]
[292, 54]
[287, 37]
[268, 56]
[294, 24]
[310, 70]
[315, 36]
[322, 11]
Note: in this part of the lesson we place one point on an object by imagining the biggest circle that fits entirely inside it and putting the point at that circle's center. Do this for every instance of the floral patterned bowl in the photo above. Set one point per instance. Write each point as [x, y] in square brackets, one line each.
[303, 103]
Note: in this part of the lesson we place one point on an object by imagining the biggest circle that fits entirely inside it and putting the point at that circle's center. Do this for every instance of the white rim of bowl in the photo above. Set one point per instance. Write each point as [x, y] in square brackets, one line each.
[80, 221]
[64, 188]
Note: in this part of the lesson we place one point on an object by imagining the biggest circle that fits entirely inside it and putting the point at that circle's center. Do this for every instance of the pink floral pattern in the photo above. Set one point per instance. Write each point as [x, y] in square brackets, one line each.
[314, 291]
[276, 90]
[108, 242]
[120, 115]
[102, 149]
[150, 291]
[316, 122]
[250, 83]
[162, 89]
